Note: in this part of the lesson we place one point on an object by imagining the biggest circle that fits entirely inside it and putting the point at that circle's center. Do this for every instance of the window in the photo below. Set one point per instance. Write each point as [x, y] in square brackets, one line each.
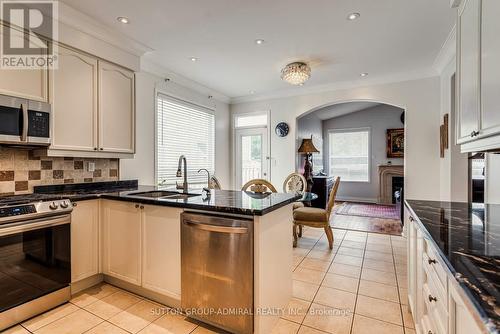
[186, 129]
[254, 120]
[350, 154]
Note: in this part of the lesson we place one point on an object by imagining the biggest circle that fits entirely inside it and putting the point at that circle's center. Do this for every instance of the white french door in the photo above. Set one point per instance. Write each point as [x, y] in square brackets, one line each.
[252, 156]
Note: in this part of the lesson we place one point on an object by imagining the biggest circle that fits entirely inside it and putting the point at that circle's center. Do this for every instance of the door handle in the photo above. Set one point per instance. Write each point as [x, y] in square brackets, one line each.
[24, 134]
[216, 228]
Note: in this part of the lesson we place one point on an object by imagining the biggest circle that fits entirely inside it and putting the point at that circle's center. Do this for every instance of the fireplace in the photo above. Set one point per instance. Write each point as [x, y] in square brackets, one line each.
[387, 174]
[398, 183]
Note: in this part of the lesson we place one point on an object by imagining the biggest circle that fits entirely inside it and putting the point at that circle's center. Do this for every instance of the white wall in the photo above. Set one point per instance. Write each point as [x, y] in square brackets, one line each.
[454, 165]
[378, 119]
[420, 98]
[142, 167]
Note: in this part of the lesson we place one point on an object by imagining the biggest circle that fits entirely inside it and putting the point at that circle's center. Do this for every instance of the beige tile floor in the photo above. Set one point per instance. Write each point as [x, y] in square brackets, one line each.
[358, 287]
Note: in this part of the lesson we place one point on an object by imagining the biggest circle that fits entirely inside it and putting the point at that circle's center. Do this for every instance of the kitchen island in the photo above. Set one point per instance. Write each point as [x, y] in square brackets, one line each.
[136, 242]
[454, 267]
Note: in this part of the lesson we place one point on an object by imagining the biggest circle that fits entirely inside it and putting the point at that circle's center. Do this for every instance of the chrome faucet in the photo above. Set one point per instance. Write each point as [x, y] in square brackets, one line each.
[208, 177]
[179, 173]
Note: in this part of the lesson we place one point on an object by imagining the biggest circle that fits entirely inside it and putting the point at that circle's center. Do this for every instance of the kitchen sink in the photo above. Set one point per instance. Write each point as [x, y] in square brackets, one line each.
[155, 194]
[163, 194]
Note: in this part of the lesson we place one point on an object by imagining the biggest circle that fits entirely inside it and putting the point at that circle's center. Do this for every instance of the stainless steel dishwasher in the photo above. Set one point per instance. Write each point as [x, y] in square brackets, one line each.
[217, 271]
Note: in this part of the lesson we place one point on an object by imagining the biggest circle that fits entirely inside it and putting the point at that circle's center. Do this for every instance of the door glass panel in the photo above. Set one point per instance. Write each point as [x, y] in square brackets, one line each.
[251, 158]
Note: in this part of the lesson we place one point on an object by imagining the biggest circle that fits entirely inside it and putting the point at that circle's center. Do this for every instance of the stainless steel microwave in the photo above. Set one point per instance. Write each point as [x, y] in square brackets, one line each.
[24, 122]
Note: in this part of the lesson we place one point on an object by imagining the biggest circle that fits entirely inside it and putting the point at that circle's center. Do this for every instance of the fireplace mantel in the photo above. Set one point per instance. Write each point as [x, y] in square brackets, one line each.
[385, 173]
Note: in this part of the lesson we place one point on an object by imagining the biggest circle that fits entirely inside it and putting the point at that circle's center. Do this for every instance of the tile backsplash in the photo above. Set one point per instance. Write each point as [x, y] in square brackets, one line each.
[20, 170]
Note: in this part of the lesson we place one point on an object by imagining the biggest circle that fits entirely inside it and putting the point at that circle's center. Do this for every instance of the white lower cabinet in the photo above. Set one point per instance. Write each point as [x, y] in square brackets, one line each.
[161, 250]
[436, 305]
[84, 240]
[121, 240]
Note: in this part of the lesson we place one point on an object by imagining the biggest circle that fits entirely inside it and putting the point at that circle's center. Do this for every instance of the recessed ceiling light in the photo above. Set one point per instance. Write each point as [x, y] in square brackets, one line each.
[252, 92]
[259, 41]
[353, 16]
[193, 59]
[123, 19]
[364, 74]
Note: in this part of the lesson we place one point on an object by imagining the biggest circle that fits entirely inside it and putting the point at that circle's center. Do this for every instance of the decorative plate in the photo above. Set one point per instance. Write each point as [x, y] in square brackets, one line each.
[282, 129]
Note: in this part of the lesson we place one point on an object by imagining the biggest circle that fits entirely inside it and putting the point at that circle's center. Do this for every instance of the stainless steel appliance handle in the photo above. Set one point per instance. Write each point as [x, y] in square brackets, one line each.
[35, 224]
[216, 228]
[24, 134]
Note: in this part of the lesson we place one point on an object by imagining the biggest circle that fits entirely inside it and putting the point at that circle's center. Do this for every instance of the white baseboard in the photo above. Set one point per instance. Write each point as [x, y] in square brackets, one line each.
[356, 199]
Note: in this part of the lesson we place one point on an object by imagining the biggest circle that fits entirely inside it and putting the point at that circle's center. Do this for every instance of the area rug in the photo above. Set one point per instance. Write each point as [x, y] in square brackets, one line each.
[368, 210]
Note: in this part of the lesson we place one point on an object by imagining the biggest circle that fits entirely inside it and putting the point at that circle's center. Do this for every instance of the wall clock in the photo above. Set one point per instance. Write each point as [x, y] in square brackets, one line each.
[282, 129]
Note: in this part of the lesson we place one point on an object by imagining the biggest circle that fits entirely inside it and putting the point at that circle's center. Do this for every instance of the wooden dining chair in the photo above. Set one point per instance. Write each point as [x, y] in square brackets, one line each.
[315, 217]
[259, 186]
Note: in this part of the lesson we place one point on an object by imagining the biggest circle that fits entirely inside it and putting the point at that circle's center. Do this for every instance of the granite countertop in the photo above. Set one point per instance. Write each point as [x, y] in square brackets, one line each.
[226, 201]
[468, 238]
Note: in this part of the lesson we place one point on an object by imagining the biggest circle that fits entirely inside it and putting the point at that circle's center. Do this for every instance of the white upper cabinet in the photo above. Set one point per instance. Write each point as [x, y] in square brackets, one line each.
[74, 101]
[478, 69]
[468, 69]
[490, 67]
[30, 83]
[116, 108]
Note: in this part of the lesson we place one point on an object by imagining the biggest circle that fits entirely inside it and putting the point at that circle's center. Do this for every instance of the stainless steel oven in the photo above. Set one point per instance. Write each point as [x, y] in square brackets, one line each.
[24, 122]
[35, 258]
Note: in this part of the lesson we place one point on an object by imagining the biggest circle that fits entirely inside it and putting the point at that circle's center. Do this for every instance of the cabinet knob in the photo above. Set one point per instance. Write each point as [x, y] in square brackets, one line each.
[75, 204]
[411, 218]
[101, 149]
[95, 148]
[474, 133]
[430, 332]
[142, 207]
[137, 206]
[431, 261]
[432, 299]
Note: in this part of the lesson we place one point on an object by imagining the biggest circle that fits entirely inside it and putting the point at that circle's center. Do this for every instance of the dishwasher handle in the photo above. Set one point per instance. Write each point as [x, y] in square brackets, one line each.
[216, 228]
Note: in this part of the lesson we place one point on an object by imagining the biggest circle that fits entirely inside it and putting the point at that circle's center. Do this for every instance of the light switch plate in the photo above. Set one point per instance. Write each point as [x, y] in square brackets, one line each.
[90, 166]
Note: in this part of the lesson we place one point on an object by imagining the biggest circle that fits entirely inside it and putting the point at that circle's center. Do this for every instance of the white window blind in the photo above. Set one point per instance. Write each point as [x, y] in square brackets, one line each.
[349, 154]
[186, 129]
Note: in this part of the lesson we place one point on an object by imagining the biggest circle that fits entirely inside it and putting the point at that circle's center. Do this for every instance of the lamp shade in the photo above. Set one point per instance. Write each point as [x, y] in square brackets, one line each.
[307, 146]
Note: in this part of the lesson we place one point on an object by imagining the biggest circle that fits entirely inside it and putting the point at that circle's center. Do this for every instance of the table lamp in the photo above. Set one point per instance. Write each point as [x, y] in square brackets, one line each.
[307, 147]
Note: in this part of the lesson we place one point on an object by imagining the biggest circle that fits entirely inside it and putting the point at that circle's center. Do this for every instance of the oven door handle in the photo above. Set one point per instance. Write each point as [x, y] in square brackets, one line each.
[24, 134]
[35, 224]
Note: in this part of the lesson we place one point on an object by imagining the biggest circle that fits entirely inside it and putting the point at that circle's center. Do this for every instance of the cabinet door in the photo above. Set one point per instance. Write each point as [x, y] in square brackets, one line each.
[468, 70]
[461, 319]
[30, 83]
[116, 109]
[84, 240]
[490, 67]
[161, 260]
[121, 225]
[74, 101]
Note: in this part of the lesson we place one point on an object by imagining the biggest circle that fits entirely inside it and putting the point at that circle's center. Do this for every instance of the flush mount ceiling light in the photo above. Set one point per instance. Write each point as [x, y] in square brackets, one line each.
[296, 73]
[193, 59]
[259, 41]
[364, 74]
[353, 16]
[123, 19]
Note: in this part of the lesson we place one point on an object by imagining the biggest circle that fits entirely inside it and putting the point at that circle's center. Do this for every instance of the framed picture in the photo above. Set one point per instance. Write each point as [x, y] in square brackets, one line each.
[395, 143]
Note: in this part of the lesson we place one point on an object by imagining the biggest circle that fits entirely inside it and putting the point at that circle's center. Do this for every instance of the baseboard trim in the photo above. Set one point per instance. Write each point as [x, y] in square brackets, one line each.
[86, 283]
[356, 199]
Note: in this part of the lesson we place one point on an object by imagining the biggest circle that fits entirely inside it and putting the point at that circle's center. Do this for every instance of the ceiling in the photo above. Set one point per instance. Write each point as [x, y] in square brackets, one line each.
[341, 109]
[391, 37]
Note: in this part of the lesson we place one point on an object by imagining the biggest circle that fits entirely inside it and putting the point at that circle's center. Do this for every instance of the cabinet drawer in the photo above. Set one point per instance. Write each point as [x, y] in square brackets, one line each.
[432, 260]
[436, 304]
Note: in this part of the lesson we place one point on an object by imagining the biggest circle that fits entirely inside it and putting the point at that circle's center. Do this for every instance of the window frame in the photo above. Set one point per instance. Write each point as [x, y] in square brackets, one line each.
[344, 130]
[210, 109]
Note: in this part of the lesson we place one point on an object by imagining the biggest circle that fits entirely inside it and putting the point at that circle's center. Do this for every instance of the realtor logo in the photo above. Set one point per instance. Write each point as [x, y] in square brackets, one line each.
[27, 34]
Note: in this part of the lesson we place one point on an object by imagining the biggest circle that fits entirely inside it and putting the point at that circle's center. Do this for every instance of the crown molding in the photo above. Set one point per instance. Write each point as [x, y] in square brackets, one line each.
[455, 3]
[447, 52]
[318, 89]
[87, 25]
[149, 66]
